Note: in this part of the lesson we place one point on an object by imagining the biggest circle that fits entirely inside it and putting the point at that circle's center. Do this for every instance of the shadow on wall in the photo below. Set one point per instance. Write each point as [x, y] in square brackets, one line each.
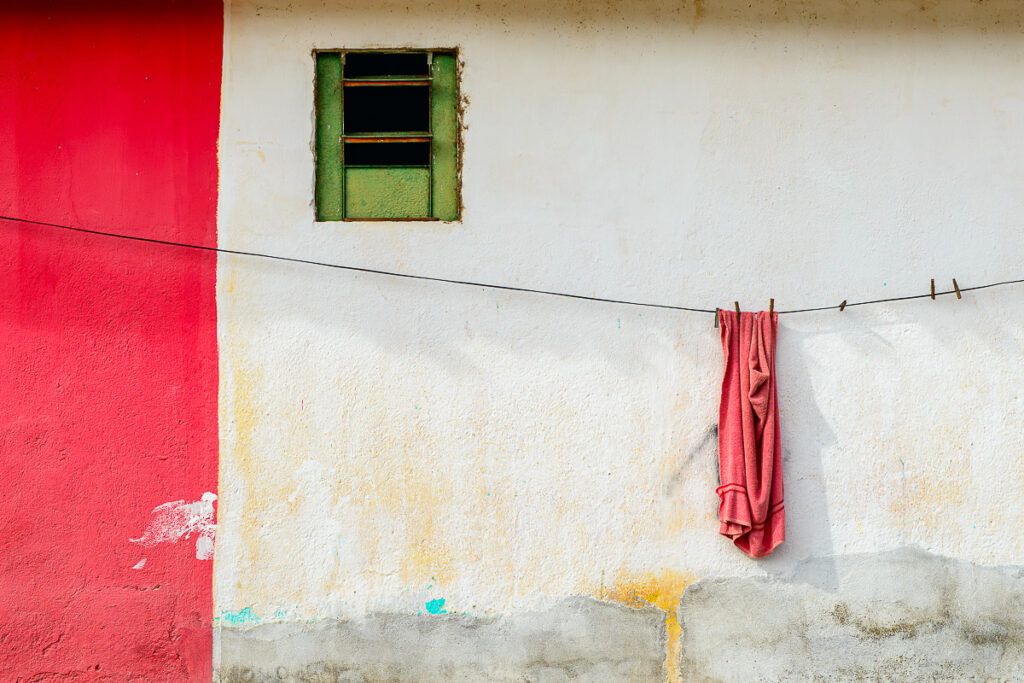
[806, 439]
[916, 393]
[1004, 16]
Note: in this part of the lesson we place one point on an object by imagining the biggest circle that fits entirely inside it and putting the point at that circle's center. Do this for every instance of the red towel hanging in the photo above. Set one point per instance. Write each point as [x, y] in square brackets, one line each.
[750, 456]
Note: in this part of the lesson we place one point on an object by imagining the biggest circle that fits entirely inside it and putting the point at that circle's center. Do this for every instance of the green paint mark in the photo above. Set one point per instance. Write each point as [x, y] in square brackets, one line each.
[436, 606]
[240, 617]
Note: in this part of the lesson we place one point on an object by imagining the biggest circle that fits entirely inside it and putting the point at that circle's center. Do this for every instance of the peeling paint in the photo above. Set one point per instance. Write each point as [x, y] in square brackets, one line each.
[177, 519]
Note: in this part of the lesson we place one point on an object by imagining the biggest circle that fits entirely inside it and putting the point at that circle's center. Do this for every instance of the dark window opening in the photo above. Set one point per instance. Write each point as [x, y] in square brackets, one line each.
[387, 109]
[386, 65]
[387, 153]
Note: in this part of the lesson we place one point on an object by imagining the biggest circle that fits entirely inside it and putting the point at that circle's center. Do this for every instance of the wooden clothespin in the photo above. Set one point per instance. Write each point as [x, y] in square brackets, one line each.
[716, 317]
[771, 307]
[957, 288]
[737, 310]
[842, 306]
[933, 289]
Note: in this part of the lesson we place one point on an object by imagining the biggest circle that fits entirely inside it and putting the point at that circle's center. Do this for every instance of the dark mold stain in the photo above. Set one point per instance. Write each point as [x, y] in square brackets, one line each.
[841, 613]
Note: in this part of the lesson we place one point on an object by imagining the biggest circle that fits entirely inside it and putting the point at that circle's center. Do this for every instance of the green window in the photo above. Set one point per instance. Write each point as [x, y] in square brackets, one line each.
[387, 135]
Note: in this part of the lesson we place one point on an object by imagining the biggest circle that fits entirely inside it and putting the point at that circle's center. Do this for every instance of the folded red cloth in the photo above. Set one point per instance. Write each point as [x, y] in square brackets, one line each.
[750, 455]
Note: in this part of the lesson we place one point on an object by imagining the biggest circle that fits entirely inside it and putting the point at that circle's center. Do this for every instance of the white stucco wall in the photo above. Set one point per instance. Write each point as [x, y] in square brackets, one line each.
[387, 442]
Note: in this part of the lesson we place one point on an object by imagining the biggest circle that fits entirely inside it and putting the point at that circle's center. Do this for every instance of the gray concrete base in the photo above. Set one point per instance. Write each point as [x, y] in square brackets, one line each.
[904, 615]
[898, 616]
[581, 639]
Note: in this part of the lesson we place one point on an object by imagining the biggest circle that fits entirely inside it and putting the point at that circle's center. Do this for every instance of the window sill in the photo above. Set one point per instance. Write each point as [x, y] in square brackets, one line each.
[429, 219]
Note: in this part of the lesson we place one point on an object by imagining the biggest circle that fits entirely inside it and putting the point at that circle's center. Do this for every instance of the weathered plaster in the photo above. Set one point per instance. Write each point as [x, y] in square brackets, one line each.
[388, 443]
[903, 615]
[577, 638]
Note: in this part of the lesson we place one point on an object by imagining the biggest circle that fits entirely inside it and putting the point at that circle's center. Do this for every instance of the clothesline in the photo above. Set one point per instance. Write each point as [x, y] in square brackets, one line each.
[509, 288]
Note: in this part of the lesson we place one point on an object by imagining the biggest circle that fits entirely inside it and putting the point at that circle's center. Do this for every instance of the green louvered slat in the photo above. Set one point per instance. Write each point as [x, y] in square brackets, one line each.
[329, 190]
[444, 125]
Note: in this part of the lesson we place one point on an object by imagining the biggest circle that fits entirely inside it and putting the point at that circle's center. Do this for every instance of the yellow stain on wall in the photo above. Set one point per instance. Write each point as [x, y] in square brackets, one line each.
[242, 411]
[681, 519]
[659, 589]
[245, 413]
[925, 496]
[425, 554]
[426, 559]
[401, 490]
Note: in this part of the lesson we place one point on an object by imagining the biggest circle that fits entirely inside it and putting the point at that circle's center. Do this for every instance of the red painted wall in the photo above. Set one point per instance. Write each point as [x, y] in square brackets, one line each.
[108, 358]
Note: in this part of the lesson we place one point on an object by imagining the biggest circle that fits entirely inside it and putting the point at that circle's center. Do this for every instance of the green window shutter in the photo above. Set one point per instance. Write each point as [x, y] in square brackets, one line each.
[387, 192]
[328, 137]
[444, 126]
[387, 136]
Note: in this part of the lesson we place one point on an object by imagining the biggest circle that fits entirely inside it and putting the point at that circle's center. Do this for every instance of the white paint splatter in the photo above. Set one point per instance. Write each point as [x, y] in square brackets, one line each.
[141, 564]
[177, 518]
